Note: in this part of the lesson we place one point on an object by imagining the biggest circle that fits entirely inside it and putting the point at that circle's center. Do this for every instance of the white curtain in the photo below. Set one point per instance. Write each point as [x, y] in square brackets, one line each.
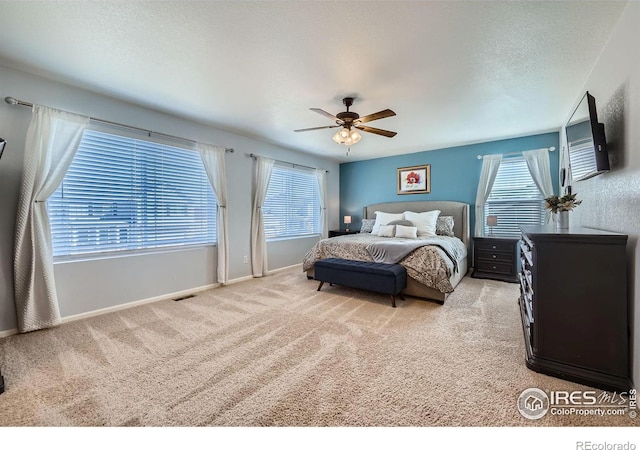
[261, 176]
[540, 169]
[52, 141]
[213, 161]
[490, 165]
[321, 176]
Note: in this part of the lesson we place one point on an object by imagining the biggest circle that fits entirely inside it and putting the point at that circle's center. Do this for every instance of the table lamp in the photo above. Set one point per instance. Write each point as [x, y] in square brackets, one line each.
[347, 221]
[492, 221]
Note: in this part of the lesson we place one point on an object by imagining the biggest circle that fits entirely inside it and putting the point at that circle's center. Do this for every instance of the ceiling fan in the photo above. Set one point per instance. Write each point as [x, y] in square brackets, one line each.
[351, 122]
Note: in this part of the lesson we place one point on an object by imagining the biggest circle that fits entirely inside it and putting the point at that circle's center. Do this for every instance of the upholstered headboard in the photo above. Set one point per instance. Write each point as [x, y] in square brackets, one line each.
[459, 211]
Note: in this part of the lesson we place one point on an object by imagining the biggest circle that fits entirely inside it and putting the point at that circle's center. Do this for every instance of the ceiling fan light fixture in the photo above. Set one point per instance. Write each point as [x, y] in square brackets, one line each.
[347, 137]
[349, 121]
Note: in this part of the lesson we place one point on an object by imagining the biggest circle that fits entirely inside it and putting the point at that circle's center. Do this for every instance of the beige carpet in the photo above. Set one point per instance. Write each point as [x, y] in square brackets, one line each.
[274, 352]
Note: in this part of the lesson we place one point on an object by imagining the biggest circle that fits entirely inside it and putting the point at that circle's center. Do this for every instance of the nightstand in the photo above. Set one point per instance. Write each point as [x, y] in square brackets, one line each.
[495, 258]
[334, 233]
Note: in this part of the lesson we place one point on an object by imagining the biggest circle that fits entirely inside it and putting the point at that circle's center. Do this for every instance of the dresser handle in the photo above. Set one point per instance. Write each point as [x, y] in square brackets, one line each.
[494, 267]
[494, 247]
[494, 256]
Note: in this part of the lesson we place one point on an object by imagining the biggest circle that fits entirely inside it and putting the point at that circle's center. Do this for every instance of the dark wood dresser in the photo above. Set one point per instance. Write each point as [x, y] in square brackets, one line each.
[495, 258]
[574, 305]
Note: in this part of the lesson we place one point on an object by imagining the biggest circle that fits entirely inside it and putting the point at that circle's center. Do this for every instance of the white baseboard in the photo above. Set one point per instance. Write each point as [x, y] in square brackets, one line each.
[269, 272]
[284, 268]
[6, 333]
[109, 309]
[238, 280]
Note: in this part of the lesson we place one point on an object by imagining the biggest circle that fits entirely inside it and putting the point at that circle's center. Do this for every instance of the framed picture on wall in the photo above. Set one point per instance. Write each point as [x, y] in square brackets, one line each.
[414, 180]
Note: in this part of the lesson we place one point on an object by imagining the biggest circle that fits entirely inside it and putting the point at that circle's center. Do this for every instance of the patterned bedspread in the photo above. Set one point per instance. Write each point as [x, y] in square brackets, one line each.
[428, 265]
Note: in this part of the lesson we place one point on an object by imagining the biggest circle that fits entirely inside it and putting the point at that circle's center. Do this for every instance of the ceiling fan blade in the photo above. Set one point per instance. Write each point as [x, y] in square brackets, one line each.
[324, 113]
[386, 133]
[376, 116]
[318, 128]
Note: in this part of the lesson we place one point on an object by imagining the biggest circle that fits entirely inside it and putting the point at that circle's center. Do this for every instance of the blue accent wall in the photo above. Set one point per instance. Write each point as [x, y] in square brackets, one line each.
[455, 173]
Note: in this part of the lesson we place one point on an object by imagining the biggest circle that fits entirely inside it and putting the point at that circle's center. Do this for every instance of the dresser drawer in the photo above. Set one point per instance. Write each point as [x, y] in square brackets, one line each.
[527, 324]
[495, 246]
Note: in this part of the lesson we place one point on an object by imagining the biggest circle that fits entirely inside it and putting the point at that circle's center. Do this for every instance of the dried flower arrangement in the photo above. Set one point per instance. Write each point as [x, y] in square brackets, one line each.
[564, 203]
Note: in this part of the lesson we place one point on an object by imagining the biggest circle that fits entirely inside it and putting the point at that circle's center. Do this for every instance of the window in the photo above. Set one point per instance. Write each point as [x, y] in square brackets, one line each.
[124, 194]
[292, 206]
[514, 198]
[583, 158]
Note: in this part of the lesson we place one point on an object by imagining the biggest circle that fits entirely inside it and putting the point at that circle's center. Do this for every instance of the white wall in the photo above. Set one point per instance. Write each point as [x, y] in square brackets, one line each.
[612, 201]
[90, 285]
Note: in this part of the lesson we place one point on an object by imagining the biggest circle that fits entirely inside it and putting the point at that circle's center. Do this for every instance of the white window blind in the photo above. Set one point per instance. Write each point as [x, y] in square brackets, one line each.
[291, 207]
[514, 198]
[124, 194]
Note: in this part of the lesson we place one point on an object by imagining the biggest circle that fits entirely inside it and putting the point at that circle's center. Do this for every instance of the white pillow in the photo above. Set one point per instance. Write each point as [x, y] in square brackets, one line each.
[387, 230]
[406, 232]
[424, 221]
[383, 218]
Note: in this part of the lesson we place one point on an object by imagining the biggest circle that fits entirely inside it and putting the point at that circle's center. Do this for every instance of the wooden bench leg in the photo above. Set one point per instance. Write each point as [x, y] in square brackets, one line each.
[393, 299]
[321, 283]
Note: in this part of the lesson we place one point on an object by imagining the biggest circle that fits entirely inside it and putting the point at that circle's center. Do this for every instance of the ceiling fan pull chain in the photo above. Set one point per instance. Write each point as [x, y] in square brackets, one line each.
[348, 150]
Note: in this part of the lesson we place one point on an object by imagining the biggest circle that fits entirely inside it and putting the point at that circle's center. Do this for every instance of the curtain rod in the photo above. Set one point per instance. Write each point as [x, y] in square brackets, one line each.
[551, 149]
[254, 156]
[13, 101]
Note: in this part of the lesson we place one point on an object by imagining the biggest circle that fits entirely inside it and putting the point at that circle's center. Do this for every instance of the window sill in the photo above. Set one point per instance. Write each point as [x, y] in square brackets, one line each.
[288, 238]
[126, 254]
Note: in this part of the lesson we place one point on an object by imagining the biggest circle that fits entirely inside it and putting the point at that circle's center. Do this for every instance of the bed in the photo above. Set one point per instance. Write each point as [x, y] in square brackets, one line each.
[433, 272]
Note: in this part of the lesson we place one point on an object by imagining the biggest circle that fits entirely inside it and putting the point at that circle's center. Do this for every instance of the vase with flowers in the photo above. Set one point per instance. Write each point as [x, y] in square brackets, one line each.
[560, 207]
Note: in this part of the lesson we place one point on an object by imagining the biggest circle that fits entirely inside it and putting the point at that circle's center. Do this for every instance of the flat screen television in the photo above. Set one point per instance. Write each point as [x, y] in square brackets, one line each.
[587, 147]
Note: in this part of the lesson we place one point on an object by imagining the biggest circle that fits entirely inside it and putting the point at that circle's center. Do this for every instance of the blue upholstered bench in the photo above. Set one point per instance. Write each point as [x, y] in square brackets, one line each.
[371, 276]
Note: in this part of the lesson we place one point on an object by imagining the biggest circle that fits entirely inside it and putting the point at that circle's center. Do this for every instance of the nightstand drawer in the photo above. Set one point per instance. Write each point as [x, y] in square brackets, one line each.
[493, 245]
[495, 267]
[494, 256]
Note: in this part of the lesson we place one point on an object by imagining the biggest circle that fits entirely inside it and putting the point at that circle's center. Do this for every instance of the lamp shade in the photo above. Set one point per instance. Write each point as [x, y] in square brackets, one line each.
[347, 219]
[492, 221]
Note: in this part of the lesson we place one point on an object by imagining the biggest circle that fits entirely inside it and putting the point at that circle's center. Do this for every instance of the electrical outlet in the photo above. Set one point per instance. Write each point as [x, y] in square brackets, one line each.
[245, 259]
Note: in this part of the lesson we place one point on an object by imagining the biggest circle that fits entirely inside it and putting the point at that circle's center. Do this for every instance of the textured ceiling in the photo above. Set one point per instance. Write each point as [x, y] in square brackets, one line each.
[454, 72]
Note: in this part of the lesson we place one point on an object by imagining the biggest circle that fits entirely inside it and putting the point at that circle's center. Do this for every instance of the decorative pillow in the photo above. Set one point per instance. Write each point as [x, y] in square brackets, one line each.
[367, 225]
[444, 226]
[406, 232]
[406, 223]
[383, 218]
[424, 221]
[387, 230]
